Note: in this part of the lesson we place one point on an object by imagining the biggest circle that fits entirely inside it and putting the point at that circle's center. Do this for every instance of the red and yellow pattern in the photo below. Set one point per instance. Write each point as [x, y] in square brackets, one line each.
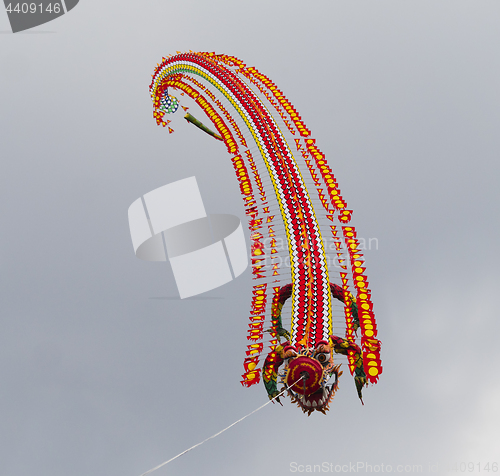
[267, 168]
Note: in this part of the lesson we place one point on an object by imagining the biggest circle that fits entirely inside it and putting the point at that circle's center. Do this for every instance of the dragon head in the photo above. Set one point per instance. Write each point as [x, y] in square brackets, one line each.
[306, 374]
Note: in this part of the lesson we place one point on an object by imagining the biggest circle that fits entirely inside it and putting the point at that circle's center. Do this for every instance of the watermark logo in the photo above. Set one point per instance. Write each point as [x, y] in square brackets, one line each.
[26, 15]
[205, 251]
[361, 467]
[357, 467]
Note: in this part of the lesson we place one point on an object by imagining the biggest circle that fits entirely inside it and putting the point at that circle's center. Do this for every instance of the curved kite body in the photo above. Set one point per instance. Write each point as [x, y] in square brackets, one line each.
[290, 196]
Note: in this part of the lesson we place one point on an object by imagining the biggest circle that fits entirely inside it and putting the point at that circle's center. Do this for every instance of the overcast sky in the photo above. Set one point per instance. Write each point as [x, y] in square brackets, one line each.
[104, 372]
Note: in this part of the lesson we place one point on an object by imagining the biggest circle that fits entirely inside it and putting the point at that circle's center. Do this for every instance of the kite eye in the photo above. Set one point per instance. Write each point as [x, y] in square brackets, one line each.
[323, 358]
[289, 356]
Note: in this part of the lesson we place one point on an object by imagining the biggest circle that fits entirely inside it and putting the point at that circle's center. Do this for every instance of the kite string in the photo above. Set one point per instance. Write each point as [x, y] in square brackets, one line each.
[222, 431]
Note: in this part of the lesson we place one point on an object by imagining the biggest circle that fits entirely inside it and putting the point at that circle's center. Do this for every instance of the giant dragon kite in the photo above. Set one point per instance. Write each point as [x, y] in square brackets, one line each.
[289, 194]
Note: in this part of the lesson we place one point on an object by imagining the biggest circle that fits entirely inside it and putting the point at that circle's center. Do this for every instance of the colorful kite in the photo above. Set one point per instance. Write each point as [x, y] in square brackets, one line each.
[290, 197]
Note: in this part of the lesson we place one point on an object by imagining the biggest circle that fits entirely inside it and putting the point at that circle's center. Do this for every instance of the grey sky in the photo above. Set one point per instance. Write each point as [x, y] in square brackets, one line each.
[99, 378]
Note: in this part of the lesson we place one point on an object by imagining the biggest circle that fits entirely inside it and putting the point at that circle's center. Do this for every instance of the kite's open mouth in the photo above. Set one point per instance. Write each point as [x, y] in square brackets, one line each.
[307, 379]
[319, 400]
